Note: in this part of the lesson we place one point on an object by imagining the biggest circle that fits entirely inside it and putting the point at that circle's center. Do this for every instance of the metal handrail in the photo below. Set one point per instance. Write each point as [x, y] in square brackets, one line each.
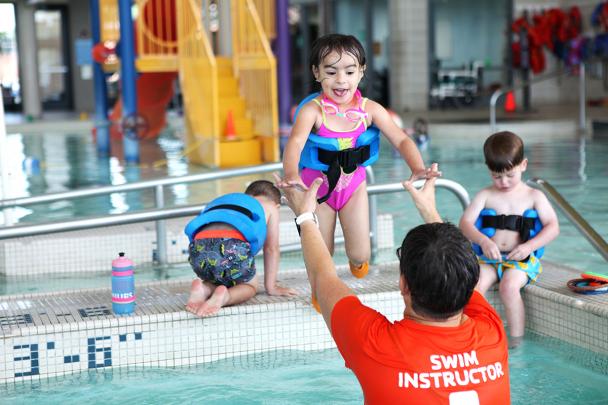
[140, 185]
[577, 220]
[582, 107]
[157, 184]
[167, 213]
[456, 188]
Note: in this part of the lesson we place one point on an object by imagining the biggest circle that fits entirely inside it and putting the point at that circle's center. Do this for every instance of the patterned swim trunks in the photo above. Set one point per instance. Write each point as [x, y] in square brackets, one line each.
[532, 267]
[222, 260]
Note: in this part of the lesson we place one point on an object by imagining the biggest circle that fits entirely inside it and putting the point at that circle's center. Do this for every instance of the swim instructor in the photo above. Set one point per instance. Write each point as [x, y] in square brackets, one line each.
[449, 348]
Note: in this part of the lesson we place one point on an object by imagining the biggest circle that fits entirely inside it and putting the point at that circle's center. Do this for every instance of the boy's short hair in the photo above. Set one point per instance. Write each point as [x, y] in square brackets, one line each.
[265, 188]
[440, 268]
[503, 151]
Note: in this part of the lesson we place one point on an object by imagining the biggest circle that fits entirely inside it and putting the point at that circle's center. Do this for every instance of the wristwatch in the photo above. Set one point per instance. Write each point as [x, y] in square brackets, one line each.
[306, 216]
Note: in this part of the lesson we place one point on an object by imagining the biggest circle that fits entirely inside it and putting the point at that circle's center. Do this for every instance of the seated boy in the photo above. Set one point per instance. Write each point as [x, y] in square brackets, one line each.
[224, 240]
[511, 238]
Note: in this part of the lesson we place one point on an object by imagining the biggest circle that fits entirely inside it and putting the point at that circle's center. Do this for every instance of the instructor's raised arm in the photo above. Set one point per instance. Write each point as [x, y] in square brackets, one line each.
[424, 199]
[320, 267]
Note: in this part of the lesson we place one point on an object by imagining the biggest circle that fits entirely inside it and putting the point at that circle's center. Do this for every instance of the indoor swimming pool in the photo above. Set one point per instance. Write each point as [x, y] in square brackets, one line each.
[575, 167]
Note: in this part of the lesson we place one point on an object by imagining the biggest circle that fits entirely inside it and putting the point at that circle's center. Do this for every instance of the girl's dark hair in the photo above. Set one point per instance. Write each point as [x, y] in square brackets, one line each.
[503, 151]
[336, 43]
[440, 269]
[265, 188]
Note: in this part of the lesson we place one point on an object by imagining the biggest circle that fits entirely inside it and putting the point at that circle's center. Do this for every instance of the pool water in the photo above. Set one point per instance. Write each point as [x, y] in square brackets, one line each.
[542, 370]
[575, 167]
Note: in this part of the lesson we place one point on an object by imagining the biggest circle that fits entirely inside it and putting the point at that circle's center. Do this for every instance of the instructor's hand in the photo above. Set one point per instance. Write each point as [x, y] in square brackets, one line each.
[424, 199]
[299, 200]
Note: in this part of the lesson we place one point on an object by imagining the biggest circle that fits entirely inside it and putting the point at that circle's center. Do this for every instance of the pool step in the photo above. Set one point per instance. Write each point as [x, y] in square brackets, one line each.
[46, 335]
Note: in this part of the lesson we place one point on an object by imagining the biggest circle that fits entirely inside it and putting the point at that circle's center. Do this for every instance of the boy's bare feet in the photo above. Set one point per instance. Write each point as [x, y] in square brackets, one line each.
[218, 299]
[198, 296]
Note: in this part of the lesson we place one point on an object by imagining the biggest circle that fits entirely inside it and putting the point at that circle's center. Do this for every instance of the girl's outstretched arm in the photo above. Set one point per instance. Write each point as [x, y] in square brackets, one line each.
[299, 134]
[400, 141]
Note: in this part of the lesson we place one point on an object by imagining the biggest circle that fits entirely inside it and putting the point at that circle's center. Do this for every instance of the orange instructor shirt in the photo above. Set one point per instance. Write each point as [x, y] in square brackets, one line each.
[408, 362]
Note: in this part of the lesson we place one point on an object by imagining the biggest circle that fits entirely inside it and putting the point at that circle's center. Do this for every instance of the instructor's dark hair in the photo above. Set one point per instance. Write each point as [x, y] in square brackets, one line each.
[265, 188]
[440, 269]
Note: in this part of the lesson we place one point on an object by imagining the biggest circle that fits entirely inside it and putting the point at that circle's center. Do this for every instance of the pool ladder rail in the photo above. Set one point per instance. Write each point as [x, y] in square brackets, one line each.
[579, 222]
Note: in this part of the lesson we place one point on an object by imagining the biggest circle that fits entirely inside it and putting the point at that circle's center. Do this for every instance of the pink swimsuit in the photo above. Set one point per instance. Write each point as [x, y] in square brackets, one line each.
[348, 183]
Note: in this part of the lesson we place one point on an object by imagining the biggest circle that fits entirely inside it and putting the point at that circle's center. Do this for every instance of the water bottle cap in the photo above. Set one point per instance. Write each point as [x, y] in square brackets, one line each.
[121, 262]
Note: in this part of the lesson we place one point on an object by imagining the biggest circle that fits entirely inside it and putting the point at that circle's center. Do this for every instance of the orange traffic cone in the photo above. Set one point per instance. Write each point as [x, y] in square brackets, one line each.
[510, 102]
[230, 132]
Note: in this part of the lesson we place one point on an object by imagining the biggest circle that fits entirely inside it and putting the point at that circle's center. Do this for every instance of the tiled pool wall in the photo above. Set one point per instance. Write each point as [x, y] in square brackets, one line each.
[169, 339]
[567, 318]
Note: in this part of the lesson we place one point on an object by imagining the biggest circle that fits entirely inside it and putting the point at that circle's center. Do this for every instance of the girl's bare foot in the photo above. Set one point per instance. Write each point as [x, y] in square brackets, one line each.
[218, 299]
[198, 296]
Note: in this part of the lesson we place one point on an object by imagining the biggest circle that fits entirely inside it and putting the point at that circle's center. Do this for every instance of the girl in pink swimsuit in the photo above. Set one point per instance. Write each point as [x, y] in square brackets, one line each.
[348, 182]
[338, 64]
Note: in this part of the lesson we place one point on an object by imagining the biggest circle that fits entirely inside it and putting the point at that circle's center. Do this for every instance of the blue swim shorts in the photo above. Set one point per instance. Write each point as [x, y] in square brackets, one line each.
[222, 260]
[532, 267]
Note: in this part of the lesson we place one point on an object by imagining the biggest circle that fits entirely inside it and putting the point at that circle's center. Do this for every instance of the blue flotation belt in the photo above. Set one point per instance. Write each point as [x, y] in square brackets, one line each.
[324, 154]
[527, 225]
[239, 210]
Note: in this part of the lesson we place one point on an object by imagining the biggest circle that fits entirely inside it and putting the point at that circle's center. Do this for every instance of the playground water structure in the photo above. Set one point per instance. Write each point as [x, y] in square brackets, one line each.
[230, 116]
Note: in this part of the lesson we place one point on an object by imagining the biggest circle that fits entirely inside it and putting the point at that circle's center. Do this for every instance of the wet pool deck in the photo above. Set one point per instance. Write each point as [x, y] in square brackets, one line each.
[158, 297]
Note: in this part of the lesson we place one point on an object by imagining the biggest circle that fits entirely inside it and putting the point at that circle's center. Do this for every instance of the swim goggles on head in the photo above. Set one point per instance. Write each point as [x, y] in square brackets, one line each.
[351, 114]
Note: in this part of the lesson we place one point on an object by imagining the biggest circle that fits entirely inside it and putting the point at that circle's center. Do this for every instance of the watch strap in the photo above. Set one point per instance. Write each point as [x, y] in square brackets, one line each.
[306, 216]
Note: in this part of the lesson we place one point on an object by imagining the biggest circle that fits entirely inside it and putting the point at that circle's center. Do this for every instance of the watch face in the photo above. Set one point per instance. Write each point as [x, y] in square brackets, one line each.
[297, 226]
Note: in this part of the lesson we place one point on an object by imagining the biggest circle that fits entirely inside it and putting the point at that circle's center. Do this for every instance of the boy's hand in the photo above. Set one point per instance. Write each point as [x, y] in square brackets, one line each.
[490, 250]
[519, 253]
[282, 291]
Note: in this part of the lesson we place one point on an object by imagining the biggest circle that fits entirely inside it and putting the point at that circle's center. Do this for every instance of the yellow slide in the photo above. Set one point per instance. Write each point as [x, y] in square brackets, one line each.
[231, 115]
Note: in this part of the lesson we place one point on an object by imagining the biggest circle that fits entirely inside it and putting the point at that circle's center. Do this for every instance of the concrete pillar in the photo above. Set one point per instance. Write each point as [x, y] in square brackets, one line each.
[225, 32]
[28, 60]
[409, 55]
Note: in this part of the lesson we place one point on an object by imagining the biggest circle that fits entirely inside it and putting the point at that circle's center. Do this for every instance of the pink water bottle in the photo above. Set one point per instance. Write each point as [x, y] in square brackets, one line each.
[123, 285]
